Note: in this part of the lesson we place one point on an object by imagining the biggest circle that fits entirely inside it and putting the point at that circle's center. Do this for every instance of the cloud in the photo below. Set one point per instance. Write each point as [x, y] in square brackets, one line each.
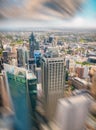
[42, 9]
[42, 13]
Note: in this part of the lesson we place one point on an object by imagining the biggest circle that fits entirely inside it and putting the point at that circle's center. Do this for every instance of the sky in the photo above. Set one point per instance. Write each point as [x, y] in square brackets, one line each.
[18, 14]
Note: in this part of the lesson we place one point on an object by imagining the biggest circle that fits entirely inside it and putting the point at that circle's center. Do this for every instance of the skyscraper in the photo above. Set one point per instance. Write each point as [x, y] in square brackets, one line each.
[23, 91]
[32, 90]
[52, 68]
[22, 56]
[32, 45]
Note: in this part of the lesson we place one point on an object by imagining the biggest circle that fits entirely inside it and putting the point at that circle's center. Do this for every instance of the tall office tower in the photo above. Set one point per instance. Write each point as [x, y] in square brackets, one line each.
[5, 56]
[52, 69]
[22, 56]
[33, 45]
[22, 86]
[32, 90]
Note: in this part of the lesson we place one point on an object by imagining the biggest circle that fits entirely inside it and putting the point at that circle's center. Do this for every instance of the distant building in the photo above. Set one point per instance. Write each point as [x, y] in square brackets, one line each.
[1, 64]
[5, 56]
[80, 72]
[67, 63]
[37, 57]
[8, 48]
[22, 56]
[92, 59]
[80, 83]
[86, 72]
[12, 58]
[33, 45]
[31, 65]
[38, 74]
[51, 38]
[52, 70]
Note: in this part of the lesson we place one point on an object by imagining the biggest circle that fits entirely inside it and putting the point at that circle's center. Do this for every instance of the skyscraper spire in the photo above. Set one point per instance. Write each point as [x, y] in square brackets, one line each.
[32, 38]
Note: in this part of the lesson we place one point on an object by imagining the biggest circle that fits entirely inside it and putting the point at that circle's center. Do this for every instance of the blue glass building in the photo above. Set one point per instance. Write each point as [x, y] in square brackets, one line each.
[37, 57]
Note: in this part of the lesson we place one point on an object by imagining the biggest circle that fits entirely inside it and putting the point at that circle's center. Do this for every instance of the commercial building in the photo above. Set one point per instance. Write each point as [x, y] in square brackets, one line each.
[33, 45]
[23, 91]
[92, 59]
[5, 56]
[52, 70]
[22, 56]
[37, 57]
[31, 65]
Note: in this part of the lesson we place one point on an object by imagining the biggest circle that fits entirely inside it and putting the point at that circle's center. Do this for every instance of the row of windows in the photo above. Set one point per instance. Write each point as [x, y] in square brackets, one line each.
[56, 71]
[56, 65]
[55, 76]
[55, 84]
[56, 61]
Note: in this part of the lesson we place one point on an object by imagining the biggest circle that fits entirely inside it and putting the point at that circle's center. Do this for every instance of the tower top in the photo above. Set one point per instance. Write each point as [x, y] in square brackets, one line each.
[32, 37]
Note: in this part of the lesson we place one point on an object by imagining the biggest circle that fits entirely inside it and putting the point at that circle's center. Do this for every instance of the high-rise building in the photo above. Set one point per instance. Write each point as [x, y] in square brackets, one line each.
[32, 89]
[52, 69]
[23, 91]
[22, 56]
[5, 56]
[33, 45]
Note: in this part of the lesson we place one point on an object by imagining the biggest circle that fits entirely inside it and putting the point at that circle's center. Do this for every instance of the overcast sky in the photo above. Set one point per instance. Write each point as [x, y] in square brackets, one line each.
[16, 14]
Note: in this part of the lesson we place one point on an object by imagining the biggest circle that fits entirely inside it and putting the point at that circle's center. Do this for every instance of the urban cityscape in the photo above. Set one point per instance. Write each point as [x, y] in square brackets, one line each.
[48, 80]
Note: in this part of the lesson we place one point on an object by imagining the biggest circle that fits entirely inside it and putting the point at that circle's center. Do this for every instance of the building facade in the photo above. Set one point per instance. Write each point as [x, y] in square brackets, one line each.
[5, 56]
[23, 92]
[37, 57]
[52, 70]
[22, 56]
[33, 45]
